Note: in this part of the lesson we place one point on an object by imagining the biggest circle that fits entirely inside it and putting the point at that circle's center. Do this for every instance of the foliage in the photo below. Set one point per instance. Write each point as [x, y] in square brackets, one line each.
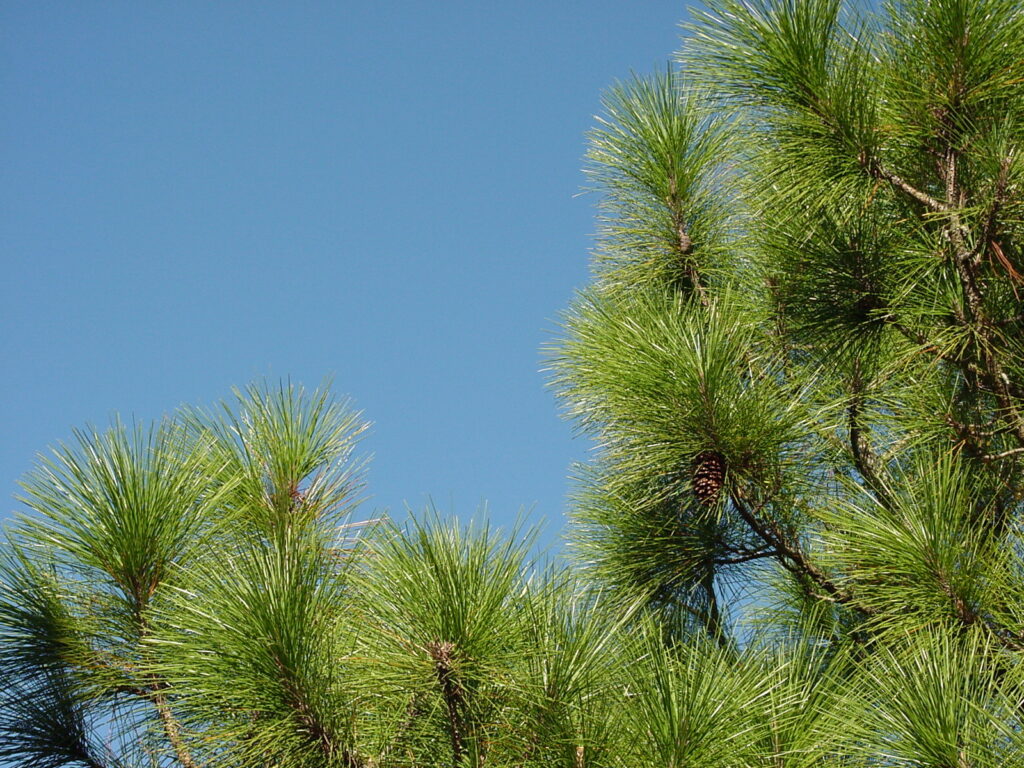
[799, 542]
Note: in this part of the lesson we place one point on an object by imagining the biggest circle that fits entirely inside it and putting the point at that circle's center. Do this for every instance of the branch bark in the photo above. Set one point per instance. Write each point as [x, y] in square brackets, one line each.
[171, 727]
[746, 558]
[714, 616]
[863, 456]
[880, 171]
[1002, 455]
[685, 245]
[155, 692]
[318, 733]
[442, 654]
[790, 555]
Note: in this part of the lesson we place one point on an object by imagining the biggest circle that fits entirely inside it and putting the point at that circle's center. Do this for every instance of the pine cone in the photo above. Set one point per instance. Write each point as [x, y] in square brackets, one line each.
[708, 476]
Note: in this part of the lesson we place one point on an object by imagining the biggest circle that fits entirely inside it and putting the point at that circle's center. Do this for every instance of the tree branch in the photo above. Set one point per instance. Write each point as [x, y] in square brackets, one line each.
[1002, 455]
[318, 733]
[412, 713]
[988, 371]
[880, 171]
[746, 558]
[714, 617]
[154, 692]
[171, 727]
[685, 246]
[789, 553]
[451, 691]
[999, 199]
[863, 457]
[968, 616]
[155, 688]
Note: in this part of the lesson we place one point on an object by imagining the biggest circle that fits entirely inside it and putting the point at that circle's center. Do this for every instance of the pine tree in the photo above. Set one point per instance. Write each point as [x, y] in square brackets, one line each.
[801, 353]
[799, 543]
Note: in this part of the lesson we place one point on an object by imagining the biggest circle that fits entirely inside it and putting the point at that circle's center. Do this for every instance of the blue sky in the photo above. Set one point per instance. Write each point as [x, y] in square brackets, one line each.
[196, 195]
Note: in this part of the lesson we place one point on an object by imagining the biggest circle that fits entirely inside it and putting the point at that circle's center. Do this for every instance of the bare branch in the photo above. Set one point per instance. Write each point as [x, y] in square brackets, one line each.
[1003, 455]
[744, 558]
[880, 171]
[442, 654]
[969, 616]
[864, 458]
[171, 727]
[789, 553]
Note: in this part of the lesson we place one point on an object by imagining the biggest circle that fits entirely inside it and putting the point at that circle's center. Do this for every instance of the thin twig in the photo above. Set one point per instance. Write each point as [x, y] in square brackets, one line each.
[746, 558]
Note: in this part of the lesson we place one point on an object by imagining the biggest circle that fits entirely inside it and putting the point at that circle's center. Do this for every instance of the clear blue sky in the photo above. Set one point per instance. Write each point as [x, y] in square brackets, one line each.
[194, 195]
